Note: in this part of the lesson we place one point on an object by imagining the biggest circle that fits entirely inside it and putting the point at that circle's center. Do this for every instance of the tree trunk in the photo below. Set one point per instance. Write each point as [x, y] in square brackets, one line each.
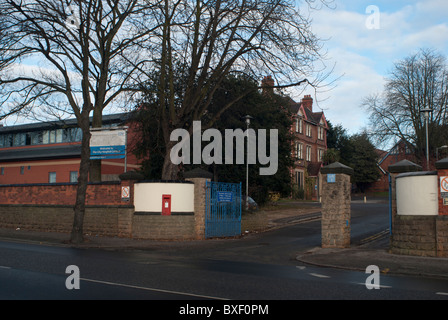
[95, 165]
[79, 209]
[170, 170]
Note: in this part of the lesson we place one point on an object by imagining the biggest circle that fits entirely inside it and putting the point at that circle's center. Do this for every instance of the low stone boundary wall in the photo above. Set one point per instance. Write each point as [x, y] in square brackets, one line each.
[110, 209]
[419, 218]
[98, 220]
[158, 227]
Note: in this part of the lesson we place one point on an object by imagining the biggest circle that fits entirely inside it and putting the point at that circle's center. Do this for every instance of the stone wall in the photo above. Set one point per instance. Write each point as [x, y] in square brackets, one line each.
[419, 235]
[49, 207]
[98, 220]
[158, 227]
[199, 204]
[414, 235]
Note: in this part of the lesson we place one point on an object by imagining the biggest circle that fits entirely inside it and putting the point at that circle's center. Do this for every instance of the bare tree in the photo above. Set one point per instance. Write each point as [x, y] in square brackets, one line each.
[202, 41]
[78, 47]
[417, 82]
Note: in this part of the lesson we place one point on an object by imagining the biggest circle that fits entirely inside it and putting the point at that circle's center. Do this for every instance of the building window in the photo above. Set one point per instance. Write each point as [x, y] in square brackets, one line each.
[52, 177]
[299, 125]
[408, 149]
[299, 179]
[395, 150]
[299, 151]
[36, 137]
[73, 176]
[320, 154]
[308, 130]
[3, 171]
[40, 137]
[308, 153]
[22, 169]
[19, 139]
[320, 133]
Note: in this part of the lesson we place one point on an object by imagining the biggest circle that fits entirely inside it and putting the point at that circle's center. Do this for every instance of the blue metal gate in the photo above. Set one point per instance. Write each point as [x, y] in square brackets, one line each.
[222, 209]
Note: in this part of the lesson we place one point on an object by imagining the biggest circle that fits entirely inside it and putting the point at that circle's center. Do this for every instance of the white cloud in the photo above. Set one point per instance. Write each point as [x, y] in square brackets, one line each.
[365, 56]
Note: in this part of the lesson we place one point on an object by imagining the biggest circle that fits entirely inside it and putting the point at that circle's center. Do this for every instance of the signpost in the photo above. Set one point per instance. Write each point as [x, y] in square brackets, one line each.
[225, 196]
[331, 178]
[125, 193]
[109, 143]
[444, 187]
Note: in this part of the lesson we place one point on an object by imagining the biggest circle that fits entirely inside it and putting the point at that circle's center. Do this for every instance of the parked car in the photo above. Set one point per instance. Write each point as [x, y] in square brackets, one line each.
[252, 204]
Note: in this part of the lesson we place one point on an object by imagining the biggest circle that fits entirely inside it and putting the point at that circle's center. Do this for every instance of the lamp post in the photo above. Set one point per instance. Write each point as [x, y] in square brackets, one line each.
[437, 151]
[247, 120]
[426, 113]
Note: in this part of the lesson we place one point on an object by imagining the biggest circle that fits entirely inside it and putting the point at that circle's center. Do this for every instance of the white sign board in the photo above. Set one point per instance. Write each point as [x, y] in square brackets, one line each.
[125, 193]
[108, 143]
[444, 187]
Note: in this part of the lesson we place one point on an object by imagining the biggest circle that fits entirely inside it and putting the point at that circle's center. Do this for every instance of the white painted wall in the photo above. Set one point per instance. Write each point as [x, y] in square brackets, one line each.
[417, 195]
[148, 196]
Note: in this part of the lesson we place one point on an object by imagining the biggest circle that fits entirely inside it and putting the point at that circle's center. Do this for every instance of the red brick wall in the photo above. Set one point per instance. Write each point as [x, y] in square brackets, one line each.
[60, 194]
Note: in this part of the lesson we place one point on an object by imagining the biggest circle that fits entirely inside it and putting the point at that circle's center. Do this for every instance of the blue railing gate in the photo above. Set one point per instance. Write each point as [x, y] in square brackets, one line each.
[222, 209]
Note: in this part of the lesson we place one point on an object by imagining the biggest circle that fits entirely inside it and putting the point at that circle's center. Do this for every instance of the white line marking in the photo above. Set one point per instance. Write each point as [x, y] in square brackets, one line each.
[442, 293]
[381, 286]
[153, 289]
[318, 275]
[3, 267]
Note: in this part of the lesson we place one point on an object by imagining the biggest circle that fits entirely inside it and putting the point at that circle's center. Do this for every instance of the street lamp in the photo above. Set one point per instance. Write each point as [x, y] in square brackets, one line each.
[426, 113]
[437, 150]
[247, 120]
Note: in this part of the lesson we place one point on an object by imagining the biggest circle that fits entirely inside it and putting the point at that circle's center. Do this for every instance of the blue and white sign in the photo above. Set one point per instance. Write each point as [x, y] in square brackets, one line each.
[107, 152]
[225, 196]
[108, 143]
[331, 178]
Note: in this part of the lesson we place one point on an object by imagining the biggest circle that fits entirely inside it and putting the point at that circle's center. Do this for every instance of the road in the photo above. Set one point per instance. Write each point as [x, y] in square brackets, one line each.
[258, 267]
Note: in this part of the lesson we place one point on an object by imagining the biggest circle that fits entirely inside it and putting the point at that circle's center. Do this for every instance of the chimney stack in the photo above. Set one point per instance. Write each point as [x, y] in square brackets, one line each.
[307, 102]
[267, 83]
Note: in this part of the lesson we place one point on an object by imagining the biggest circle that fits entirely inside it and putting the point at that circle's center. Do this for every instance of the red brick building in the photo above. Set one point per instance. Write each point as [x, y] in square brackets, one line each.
[50, 152]
[310, 144]
[398, 152]
[309, 130]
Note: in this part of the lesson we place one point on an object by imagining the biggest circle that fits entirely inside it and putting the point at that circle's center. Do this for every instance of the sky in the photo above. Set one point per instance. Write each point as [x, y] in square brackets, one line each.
[363, 46]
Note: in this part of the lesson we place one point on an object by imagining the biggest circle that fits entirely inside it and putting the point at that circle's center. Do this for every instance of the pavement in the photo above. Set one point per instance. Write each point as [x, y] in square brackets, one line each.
[357, 257]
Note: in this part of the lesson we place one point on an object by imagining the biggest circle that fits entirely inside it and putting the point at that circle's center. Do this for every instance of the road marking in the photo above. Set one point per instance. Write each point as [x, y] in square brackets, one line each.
[442, 293]
[3, 267]
[318, 275]
[153, 289]
[381, 286]
[301, 267]
[374, 237]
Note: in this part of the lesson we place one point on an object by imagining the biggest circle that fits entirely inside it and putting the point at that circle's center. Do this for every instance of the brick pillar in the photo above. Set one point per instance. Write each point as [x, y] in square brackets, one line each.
[126, 212]
[199, 177]
[336, 199]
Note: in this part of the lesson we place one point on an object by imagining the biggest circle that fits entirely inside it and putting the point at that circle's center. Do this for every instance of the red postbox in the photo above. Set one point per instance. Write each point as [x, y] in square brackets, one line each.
[166, 205]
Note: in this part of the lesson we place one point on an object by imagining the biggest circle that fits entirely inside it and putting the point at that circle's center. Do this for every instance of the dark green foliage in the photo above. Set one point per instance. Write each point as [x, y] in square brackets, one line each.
[267, 113]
